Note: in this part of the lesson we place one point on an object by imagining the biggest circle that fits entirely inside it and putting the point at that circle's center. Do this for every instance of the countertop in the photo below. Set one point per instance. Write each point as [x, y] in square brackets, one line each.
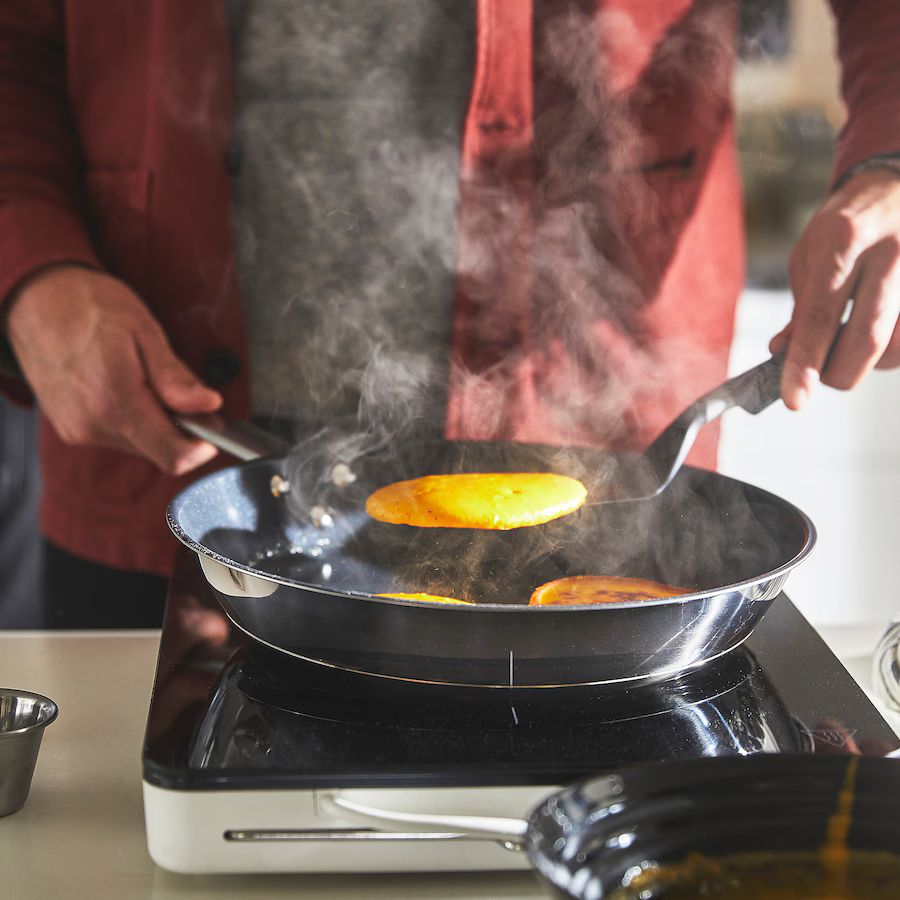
[81, 831]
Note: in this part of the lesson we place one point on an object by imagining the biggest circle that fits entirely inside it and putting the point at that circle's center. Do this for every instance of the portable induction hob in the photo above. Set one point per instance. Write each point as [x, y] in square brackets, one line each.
[243, 743]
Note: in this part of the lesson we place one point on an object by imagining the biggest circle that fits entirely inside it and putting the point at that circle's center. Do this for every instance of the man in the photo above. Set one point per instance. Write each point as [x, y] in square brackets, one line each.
[589, 247]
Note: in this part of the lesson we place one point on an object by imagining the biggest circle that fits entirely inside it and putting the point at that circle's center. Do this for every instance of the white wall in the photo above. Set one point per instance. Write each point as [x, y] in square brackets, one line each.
[839, 461]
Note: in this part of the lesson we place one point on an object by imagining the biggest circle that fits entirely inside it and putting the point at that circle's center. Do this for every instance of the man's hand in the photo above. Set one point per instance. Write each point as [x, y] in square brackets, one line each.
[102, 369]
[849, 254]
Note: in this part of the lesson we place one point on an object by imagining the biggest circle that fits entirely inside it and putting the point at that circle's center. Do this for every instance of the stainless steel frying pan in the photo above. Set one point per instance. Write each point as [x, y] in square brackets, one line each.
[297, 569]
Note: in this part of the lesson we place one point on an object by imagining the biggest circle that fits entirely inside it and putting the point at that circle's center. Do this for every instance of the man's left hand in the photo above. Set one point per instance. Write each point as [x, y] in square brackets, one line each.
[848, 255]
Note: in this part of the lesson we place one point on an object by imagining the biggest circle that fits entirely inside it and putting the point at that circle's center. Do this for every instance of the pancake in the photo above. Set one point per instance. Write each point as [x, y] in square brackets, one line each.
[477, 500]
[428, 598]
[587, 589]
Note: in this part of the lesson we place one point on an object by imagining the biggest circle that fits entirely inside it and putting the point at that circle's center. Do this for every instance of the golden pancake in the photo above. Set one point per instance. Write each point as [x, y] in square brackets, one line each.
[477, 500]
[587, 589]
[428, 598]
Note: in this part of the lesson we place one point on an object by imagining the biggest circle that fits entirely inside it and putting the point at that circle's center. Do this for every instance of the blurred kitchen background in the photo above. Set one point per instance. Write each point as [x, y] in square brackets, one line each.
[838, 460]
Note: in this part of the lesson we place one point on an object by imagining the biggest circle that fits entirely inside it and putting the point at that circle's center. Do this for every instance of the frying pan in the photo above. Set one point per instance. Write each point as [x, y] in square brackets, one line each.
[298, 569]
[617, 830]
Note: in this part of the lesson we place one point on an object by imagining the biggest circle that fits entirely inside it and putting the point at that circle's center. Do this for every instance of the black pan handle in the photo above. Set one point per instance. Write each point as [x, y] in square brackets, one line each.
[242, 440]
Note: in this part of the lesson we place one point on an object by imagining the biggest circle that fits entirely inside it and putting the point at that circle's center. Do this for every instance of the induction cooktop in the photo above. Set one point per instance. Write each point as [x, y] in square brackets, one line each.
[242, 742]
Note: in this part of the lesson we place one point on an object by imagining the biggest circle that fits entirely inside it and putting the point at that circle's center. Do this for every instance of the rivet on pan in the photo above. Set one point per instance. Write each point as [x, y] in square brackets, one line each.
[342, 475]
[278, 486]
[320, 517]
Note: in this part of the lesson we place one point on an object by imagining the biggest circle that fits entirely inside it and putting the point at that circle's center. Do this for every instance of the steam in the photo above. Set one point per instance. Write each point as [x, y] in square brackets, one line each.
[617, 181]
[370, 286]
[617, 174]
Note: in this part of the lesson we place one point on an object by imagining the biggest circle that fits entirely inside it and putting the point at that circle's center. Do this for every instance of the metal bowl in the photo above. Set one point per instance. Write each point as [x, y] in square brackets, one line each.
[23, 717]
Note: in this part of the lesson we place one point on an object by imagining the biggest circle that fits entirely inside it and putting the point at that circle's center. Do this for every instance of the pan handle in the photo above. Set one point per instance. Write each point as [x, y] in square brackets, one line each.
[509, 832]
[242, 440]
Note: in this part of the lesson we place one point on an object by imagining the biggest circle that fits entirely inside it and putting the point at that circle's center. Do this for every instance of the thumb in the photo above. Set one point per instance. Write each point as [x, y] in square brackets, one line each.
[176, 386]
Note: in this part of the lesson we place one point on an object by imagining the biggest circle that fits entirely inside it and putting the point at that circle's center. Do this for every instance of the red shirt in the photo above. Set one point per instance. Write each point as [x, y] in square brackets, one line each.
[114, 120]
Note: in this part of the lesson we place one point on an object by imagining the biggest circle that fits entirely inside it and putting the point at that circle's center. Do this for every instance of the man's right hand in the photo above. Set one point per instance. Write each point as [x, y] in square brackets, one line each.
[102, 369]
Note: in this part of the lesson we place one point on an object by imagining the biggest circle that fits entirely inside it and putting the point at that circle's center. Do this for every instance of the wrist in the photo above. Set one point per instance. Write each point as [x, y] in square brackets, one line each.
[883, 162]
[34, 279]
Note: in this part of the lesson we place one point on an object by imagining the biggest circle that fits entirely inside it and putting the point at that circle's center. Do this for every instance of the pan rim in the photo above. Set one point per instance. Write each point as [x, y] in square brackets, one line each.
[779, 572]
[508, 608]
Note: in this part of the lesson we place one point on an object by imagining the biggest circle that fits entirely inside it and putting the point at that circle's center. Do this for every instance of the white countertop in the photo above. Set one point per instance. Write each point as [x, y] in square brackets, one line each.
[81, 831]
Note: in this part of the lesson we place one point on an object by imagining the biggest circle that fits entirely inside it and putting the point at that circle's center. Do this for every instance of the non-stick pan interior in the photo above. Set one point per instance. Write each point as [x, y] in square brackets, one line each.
[730, 544]
[705, 532]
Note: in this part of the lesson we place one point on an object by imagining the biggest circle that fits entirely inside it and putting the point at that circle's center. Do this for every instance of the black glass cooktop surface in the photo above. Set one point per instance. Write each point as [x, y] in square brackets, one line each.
[227, 712]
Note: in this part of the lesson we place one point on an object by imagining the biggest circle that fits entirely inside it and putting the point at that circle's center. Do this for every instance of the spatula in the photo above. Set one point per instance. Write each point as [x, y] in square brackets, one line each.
[622, 477]
[648, 474]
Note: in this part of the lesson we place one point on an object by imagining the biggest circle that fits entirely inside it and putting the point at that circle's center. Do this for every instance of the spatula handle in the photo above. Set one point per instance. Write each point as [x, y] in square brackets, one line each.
[754, 389]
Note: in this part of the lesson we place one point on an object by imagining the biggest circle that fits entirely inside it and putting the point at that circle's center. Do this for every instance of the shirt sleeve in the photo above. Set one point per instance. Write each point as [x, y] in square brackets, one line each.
[41, 213]
[868, 46]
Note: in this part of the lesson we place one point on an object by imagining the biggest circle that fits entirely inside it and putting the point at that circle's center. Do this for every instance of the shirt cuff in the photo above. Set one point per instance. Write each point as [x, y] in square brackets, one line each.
[889, 162]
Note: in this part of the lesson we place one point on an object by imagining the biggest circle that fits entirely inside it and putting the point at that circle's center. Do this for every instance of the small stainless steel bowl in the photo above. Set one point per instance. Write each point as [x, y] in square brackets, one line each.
[23, 717]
